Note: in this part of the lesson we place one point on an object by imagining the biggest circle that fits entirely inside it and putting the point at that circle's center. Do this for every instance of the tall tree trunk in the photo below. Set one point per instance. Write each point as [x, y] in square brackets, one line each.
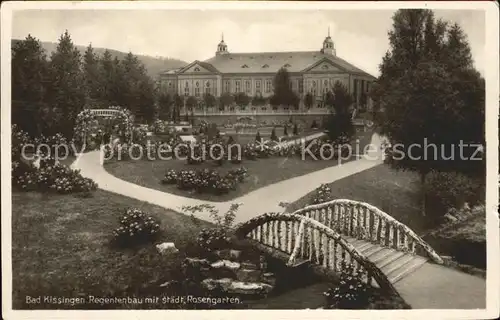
[423, 175]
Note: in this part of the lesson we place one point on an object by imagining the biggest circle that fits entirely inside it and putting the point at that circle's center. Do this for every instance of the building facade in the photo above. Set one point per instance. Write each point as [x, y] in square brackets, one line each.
[312, 72]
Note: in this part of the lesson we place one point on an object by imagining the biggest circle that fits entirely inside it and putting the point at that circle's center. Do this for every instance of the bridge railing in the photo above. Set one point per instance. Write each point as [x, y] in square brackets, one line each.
[305, 239]
[364, 221]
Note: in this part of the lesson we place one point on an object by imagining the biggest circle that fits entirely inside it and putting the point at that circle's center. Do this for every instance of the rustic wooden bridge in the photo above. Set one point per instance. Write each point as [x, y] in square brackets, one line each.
[329, 235]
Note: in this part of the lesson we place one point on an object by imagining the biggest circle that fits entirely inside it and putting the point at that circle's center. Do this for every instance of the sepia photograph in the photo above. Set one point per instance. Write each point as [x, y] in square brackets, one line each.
[334, 157]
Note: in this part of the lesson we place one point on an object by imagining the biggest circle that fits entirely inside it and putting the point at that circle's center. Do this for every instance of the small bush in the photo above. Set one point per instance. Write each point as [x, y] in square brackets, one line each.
[350, 293]
[448, 190]
[136, 228]
[216, 238]
[321, 194]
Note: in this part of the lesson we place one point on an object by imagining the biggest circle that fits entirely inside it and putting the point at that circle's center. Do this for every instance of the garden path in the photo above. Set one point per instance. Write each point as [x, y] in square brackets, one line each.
[255, 203]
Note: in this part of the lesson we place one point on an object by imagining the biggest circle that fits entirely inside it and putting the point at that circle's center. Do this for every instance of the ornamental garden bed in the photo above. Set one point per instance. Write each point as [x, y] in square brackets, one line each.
[260, 172]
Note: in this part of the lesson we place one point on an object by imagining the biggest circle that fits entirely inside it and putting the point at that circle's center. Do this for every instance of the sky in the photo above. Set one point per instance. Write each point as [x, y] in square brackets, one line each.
[360, 36]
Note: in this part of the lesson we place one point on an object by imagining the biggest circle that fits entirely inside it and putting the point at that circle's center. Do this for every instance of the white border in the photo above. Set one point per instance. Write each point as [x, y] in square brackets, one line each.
[492, 95]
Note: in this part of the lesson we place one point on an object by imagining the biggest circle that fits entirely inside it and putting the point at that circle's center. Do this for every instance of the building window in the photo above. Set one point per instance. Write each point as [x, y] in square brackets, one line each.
[244, 66]
[196, 69]
[300, 85]
[227, 87]
[197, 89]
[257, 85]
[268, 85]
[286, 65]
[238, 86]
[186, 89]
[248, 87]
[265, 66]
[324, 67]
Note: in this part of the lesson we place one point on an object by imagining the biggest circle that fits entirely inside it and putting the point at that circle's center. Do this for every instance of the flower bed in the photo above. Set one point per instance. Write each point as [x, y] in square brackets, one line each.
[205, 181]
[50, 177]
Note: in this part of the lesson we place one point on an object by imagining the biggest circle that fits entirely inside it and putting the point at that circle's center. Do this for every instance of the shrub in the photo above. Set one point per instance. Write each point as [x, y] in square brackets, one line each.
[321, 194]
[257, 137]
[273, 135]
[206, 180]
[170, 177]
[448, 190]
[136, 227]
[350, 293]
[219, 237]
[50, 177]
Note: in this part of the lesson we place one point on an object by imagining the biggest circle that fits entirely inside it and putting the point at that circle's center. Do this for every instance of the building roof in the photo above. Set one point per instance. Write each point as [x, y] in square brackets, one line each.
[271, 62]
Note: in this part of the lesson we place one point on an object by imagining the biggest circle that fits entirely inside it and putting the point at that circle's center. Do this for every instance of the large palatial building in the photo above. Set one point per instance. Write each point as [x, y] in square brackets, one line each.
[253, 73]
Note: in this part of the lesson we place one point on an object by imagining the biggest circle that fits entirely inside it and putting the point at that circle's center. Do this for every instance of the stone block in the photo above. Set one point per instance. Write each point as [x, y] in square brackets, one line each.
[238, 287]
[248, 275]
[269, 278]
[249, 265]
[227, 264]
[235, 254]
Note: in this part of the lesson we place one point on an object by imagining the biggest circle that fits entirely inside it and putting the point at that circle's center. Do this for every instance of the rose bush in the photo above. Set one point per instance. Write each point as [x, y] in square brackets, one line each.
[350, 293]
[205, 180]
[136, 227]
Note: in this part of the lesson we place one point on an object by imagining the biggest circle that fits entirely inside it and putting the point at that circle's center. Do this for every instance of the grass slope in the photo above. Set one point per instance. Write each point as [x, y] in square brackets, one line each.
[61, 247]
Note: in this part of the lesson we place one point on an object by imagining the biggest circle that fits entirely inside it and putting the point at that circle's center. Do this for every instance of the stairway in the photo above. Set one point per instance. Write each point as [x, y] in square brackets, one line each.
[394, 264]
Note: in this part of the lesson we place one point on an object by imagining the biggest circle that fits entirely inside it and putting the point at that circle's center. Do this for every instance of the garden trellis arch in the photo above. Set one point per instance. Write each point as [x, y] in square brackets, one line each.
[88, 118]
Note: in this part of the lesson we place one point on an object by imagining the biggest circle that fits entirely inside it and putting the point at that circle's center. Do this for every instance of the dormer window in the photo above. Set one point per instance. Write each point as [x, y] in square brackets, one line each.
[244, 66]
[196, 69]
[287, 65]
[265, 66]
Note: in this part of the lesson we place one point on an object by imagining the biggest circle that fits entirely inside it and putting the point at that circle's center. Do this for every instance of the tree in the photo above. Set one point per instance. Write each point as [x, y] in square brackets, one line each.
[283, 93]
[191, 103]
[308, 100]
[178, 102]
[29, 86]
[67, 90]
[165, 103]
[339, 121]
[209, 100]
[257, 137]
[258, 101]
[226, 99]
[430, 93]
[273, 135]
[241, 99]
[139, 88]
[91, 76]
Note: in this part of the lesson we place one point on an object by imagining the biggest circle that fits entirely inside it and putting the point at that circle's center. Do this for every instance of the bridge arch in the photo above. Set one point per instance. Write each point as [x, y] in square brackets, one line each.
[299, 238]
[366, 222]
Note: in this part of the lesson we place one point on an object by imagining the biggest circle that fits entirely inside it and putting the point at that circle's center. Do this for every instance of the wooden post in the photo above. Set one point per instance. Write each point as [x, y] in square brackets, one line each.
[298, 236]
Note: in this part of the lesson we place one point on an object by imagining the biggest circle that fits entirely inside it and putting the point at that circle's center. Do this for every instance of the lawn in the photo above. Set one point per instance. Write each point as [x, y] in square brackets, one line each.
[61, 247]
[261, 172]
